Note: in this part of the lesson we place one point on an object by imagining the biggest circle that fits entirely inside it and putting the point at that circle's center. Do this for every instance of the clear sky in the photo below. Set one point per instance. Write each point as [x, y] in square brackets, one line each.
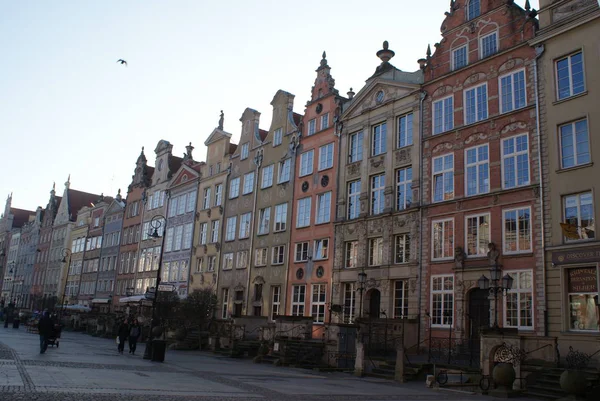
[67, 107]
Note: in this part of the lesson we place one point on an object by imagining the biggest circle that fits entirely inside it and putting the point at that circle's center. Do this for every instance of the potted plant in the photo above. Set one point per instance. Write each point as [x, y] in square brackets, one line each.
[574, 380]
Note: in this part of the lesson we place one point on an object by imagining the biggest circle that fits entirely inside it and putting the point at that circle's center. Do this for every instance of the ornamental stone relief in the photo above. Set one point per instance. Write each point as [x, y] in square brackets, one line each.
[567, 10]
[377, 162]
[442, 147]
[478, 76]
[518, 125]
[403, 155]
[353, 169]
[476, 137]
[281, 193]
[350, 229]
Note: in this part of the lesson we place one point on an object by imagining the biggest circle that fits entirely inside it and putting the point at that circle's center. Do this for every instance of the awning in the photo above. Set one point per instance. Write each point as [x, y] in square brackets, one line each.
[100, 300]
[77, 308]
[132, 299]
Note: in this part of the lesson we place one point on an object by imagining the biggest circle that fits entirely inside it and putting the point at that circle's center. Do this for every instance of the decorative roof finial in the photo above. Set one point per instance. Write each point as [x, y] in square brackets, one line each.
[385, 54]
[351, 94]
[119, 197]
[221, 118]
[527, 5]
[68, 183]
[428, 51]
[188, 155]
[323, 61]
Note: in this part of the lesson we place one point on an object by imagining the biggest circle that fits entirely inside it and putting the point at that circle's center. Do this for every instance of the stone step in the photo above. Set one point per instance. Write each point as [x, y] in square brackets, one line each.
[542, 395]
[541, 390]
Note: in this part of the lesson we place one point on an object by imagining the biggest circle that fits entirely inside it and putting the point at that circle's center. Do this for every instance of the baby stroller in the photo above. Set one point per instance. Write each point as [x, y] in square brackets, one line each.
[53, 340]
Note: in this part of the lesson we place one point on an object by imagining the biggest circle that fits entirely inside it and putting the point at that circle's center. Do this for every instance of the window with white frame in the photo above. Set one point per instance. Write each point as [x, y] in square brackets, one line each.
[570, 79]
[477, 170]
[260, 258]
[321, 250]
[244, 152]
[267, 176]
[353, 199]
[375, 251]
[169, 239]
[215, 231]
[234, 188]
[277, 137]
[187, 235]
[202, 231]
[212, 260]
[574, 144]
[326, 156]
[191, 202]
[324, 121]
[355, 151]
[199, 263]
[228, 261]
[230, 228]
[579, 217]
[275, 301]
[443, 115]
[306, 163]
[378, 139]
[242, 259]
[402, 248]
[403, 188]
[512, 91]
[443, 178]
[206, 199]
[518, 307]
[377, 194]
[400, 299]
[303, 216]
[245, 221]
[517, 230]
[312, 126]
[476, 104]
[298, 300]
[351, 254]
[284, 171]
[264, 220]
[225, 300]
[278, 256]
[515, 161]
[349, 302]
[582, 290]
[488, 44]
[301, 252]
[173, 207]
[177, 238]
[405, 130]
[280, 217]
[317, 303]
[442, 301]
[477, 234]
[473, 9]
[323, 208]
[443, 239]
[248, 183]
[460, 57]
[218, 194]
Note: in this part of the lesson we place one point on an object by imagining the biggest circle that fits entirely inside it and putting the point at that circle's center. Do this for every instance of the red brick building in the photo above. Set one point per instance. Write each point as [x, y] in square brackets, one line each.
[480, 171]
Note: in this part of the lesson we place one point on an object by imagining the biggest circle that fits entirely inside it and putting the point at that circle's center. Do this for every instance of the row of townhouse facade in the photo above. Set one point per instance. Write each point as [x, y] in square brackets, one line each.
[388, 203]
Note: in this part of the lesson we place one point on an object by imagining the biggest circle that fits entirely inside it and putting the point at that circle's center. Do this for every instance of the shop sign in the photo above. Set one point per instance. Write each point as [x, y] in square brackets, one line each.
[583, 280]
[584, 255]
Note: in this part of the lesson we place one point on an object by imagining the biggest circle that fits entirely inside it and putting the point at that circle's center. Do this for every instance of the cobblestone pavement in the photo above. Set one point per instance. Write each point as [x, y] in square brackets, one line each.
[85, 368]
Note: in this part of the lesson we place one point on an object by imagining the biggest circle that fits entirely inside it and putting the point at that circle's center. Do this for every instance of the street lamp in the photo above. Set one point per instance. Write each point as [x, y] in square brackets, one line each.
[156, 223]
[362, 280]
[66, 253]
[496, 285]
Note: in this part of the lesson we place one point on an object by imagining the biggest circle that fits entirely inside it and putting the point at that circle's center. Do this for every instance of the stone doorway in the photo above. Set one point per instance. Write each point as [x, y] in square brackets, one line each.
[374, 297]
[478, 315]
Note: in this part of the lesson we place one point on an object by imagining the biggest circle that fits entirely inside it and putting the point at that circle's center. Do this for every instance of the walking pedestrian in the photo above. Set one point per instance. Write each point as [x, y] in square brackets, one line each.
[45, 328]
[134, 334]
[123, 333]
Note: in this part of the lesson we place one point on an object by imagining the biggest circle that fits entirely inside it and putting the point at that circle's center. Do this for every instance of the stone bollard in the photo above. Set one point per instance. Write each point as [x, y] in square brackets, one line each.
[399, 374]
[359, 364]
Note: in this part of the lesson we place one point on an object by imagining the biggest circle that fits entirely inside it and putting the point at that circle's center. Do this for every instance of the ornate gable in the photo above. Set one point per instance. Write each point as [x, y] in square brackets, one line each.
[183, 176]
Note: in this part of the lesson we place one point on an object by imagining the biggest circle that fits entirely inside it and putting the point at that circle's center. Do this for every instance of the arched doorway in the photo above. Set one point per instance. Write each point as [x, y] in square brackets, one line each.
[479, 312]
[374, 297]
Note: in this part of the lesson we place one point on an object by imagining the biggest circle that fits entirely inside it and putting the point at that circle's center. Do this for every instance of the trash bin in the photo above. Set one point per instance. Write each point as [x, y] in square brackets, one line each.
[158, 350]
[16, 323]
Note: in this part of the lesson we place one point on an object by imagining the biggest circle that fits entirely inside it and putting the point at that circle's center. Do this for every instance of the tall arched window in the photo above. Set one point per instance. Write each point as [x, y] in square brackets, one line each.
[473, 9]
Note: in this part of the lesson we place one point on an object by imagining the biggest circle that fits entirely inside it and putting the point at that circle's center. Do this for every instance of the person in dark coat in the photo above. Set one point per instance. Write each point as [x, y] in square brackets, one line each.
[123, 333]
[134, 333]
[45, 328]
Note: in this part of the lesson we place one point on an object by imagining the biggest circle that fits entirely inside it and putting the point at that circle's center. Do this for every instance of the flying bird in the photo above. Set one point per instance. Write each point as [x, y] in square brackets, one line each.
[122, 62]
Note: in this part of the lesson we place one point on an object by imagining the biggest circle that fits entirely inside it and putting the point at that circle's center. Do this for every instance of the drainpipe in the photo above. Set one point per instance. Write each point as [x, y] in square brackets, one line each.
[258, 161]
[339, 126]
[420, 281]
[292, 183]
[539, 50]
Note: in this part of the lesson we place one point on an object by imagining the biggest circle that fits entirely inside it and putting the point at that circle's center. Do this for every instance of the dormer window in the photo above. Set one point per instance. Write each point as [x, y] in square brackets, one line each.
[473, 9]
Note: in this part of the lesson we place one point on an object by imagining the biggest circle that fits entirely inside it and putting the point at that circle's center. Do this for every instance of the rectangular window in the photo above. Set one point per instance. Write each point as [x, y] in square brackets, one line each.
[181, 204]
[351, 257]
[277, 137]
[298, 298]
[379, 139]
[218, 195]
[178, 238]
[473, 9]
[173, 207]
[321, 249]
[459, 57]
[267, 176]
[275, 301]
[202, 233]
[326, 156]
[212, 261]
[405, 130]
[512, 91]
[278, 256]
[260, 257]
[488, 44]
[303, 217]
[574, 144]
[317, 304]
[312, 126]
[284, 171]
[443, 115]
[402, 248]
[215, 231]
[518, 305]
[477, 170]
[349, 302]
[242, 259]
[375, 251]
[403, 188]
[579, 217]
[234, 188]
[515, 161]
[280, 217]
[478, 234]
[230, 229]
[582, 287]
[224, 307]
[323, 208]
[244, 153]
[324, 121]
[187, 236]
[264, 217]
[306, 163]
[199, 265]
[356, 147]
[248, 183]
[442, 301]
[228, 261]
[443, 178]
[400, 299]
[377, 194]
[476, 104]
[517, 230]
[169, 239]
[353, 199]
[301, 252]
[206, 199]
[245, 221]
[569, 76]
[443, 239]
